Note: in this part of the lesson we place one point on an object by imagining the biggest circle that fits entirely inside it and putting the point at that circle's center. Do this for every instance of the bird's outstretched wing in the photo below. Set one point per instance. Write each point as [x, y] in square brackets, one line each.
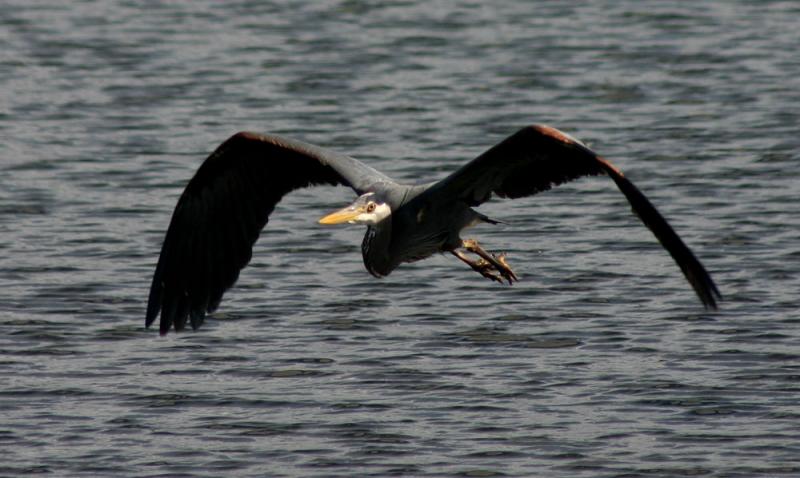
[539, 157]
[222, 211]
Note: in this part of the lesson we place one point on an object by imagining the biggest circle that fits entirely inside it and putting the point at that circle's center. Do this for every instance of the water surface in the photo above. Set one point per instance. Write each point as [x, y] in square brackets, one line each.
[600, 362]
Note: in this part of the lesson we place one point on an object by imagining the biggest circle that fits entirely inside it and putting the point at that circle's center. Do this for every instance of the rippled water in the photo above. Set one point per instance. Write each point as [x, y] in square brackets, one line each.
[600, 362]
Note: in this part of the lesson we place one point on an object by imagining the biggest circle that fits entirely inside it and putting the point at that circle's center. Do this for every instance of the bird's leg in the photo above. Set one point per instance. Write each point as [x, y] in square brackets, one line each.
[480, 266]
[497, 261]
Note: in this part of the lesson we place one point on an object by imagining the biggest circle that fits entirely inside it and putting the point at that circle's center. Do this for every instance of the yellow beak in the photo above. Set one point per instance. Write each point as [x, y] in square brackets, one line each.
[347, 214]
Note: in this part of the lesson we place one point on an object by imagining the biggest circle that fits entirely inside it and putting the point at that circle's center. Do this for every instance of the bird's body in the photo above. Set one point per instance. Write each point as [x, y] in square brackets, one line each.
[224, 207]
[414, 230]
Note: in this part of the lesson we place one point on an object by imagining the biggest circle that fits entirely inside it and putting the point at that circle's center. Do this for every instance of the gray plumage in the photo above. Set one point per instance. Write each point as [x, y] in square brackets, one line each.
[228, 202]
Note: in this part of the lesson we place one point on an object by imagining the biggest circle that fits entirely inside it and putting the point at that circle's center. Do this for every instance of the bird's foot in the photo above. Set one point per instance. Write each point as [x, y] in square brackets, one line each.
[505, 270]
[486, 269]
[481, 266]
[489, 265]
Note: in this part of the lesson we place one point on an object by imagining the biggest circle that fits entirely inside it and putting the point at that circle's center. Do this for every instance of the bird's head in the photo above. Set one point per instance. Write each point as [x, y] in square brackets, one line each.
[368, 209]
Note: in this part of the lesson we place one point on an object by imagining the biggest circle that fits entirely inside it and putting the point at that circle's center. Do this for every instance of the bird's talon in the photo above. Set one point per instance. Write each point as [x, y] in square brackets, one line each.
[506, 271]
[485, 269]
[491, 276]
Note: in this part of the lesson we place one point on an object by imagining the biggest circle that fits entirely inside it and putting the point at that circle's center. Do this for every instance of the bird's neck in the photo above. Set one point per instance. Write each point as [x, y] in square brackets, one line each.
[375, 249]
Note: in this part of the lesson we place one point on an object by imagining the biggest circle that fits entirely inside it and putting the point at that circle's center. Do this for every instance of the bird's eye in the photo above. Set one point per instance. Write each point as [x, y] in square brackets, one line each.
[370, 207]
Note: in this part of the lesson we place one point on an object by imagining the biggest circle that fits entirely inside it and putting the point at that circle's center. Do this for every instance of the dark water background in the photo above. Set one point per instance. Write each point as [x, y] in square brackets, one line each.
[599, 363]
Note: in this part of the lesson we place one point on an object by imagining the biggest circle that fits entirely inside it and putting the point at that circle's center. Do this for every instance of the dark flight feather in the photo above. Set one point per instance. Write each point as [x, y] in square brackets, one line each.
[222, 211]
[537, 158]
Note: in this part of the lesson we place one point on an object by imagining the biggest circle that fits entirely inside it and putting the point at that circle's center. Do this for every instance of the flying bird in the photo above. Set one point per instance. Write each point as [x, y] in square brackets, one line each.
[229, 200]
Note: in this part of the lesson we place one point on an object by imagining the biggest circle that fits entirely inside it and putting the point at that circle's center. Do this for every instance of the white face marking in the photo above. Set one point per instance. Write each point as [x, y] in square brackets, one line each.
[378, 214]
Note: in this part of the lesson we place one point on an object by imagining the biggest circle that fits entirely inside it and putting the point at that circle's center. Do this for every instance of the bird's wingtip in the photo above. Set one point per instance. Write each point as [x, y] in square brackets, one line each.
[150, 316]
[714, 298]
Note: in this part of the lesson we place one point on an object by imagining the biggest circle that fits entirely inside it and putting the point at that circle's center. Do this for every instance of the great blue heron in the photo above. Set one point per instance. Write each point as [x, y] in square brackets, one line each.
[228, 202]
